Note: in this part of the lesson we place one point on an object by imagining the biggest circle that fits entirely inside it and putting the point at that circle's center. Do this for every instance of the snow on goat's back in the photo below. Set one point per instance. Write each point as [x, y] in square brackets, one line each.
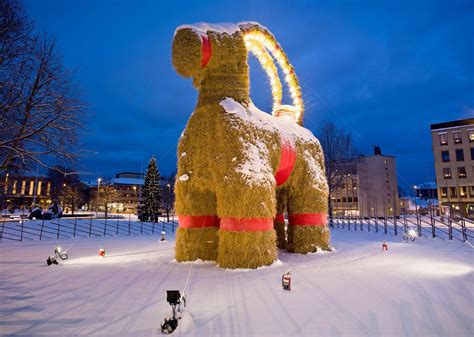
[287, 128]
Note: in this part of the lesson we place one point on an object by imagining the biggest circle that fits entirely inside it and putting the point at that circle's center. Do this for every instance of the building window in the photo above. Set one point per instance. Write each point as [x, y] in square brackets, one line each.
[443, 139]
[463, 191]
[471, 191]
[14, 187]
[453, 192]
[32, 187]
[447, 173]
[39, 187]
[23, 185]
[459, 155]
[444, 192]
[445, 156]
[471, 135]
[457, 137]
[472, 153]
[461, 172]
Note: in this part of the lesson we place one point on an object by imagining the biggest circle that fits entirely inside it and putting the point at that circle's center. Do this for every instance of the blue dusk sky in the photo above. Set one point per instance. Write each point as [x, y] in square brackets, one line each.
[382, 70]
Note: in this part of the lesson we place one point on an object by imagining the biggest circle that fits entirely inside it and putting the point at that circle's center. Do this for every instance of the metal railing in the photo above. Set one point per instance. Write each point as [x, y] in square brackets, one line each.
[429, 226]
[24, 229]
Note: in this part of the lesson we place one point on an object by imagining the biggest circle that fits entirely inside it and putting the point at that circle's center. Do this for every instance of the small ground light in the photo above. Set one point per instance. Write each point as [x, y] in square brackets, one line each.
[163, 236]
[410, 235]
[58, 254]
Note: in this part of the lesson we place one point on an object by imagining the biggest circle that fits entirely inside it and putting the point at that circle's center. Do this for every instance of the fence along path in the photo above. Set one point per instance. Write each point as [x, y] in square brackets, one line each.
[447, 229]
[24, 229]
[61, 228]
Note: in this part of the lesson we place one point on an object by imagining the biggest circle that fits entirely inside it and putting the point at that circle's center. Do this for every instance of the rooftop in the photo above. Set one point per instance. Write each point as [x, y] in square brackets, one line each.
[452, 124]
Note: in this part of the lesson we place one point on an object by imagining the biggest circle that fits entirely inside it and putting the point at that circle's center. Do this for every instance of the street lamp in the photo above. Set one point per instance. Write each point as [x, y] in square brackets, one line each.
[168, 203]
[98, 194]
[135, 197]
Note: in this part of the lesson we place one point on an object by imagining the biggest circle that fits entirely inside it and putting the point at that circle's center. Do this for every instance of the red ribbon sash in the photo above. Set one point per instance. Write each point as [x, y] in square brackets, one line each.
[318, 219]
[280, 218]
[246, 224]
[198, 221]
[250, 224]
[227, 223]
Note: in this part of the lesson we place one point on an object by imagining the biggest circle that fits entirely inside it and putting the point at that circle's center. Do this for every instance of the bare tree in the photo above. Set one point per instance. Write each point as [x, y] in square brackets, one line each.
[74, 196]
[60, 177]
[337, 153]
[15, 32]
[107, 194]
[40, 109]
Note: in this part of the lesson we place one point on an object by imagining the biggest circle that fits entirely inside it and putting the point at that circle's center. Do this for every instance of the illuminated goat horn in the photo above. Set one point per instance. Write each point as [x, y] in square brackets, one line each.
[260, 42]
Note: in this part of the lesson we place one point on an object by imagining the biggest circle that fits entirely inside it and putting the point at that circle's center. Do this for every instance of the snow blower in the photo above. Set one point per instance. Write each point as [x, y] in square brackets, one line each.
[174, 298]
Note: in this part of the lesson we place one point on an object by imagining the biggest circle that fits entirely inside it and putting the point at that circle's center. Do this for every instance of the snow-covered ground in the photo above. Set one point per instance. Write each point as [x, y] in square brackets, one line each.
[418, 289]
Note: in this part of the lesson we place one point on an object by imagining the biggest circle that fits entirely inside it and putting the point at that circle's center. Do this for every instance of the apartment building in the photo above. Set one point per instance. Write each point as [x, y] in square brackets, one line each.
[369, 187]
[453, 150]
[21, 191]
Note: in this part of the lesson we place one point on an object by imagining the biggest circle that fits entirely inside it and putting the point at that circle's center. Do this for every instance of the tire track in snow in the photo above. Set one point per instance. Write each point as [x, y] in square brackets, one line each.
[137, 312]
[151, 298]
[393, 303]
[56, 311]
[114, 295]
[398, 306]
[294, 321]
[343, 311]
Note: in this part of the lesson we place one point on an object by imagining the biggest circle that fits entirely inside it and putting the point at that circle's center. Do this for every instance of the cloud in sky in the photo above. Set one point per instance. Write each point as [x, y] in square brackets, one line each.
[384, 72]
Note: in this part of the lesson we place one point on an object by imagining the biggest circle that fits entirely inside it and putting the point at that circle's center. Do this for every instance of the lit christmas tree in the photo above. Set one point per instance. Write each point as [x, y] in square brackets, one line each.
[150, 201]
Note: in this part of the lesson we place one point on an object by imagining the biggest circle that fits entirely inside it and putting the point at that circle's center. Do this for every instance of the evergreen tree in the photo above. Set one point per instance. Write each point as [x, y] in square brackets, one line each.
[150, 201]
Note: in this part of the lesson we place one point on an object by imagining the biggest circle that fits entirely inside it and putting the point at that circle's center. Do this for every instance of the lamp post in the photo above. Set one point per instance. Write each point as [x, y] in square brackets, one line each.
[416, 196]
[64, 197]
[135, 197]
[98, 195]
[168, 203]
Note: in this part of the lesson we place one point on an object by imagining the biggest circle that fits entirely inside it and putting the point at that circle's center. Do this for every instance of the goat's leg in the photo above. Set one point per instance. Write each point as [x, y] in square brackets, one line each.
[246, 236]
[307, 207]
[197, 234]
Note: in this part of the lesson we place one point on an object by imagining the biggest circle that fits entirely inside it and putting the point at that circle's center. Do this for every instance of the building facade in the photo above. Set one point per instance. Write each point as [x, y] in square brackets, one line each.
[121, 193]
[127, 187]
[19, 191]
[426, 190]
[453, 151]
[369, 187]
